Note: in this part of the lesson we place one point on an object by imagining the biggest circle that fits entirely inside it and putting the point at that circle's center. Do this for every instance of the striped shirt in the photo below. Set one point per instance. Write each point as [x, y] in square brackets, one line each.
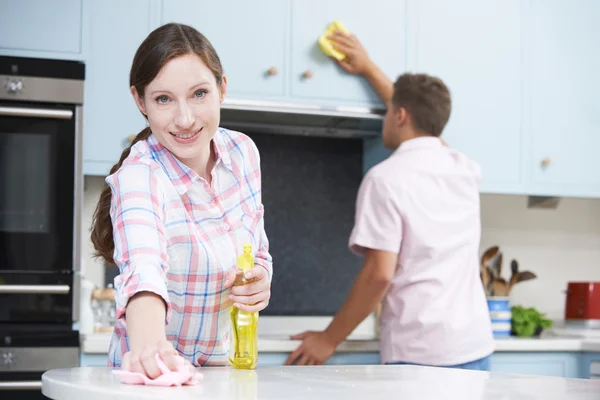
[177, 236]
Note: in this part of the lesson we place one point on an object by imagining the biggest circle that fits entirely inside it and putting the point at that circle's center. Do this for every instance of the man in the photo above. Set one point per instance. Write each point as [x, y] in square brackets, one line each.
[417, 225]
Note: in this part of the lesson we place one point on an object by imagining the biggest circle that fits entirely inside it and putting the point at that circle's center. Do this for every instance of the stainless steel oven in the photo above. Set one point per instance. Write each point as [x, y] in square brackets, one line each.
[41, 104]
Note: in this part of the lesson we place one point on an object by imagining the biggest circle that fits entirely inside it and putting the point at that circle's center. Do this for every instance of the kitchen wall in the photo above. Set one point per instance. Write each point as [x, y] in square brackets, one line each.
[559, 245]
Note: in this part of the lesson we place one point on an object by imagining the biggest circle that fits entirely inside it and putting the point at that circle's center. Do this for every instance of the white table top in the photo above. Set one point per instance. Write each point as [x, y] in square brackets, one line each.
[323, 382]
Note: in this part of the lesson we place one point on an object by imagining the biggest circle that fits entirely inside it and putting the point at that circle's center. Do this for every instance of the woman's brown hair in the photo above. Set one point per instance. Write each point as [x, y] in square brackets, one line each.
[162, 45]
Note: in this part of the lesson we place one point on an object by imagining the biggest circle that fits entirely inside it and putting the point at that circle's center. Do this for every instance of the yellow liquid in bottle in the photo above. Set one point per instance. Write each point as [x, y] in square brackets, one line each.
[243, 353]
[245, 350]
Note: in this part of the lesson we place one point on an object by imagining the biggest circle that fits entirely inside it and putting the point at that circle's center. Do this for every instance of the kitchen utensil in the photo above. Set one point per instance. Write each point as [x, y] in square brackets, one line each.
[491, 273]
[500, 287]
[485, 271]
[517, 276]
[497, 266]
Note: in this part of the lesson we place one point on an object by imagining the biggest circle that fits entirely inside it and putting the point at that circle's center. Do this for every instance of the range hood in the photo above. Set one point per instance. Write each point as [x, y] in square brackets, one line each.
[301, 119]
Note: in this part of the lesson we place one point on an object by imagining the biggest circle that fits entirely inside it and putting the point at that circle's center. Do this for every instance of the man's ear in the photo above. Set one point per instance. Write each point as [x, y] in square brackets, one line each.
[223, 89]
[402, 117]
[139, 102]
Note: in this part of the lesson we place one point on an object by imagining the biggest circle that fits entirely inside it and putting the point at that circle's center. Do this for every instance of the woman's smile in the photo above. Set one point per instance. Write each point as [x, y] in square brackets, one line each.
[186, 137]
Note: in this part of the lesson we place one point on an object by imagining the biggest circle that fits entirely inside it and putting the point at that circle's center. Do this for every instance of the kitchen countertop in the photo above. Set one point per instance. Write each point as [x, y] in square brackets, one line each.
[323, 382]
[98, 344]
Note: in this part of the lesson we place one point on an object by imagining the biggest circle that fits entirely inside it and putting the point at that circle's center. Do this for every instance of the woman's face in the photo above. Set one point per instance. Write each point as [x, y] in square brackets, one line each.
[183, 106]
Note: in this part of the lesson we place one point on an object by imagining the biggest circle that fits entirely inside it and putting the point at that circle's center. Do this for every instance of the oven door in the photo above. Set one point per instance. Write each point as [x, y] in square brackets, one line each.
[37, 299]
[25, 356]
[37, 179]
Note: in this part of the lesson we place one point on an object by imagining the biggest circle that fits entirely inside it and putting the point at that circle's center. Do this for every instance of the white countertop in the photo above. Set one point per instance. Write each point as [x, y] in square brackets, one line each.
[98, 344]
[323, 382]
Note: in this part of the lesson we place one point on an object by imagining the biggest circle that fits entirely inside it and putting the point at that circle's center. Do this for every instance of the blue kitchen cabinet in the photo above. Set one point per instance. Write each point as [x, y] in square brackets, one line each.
[41, 28]
[589, 365]
[271, 359]
[249, 37]
[93, 360]
[315, 78]
[476, 48]
[566, 365]
[564, 85]
[116, 28]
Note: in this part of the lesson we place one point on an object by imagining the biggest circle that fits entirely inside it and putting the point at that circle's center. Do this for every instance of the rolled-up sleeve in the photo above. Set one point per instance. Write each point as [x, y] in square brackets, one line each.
[378, 221]
[137, 214]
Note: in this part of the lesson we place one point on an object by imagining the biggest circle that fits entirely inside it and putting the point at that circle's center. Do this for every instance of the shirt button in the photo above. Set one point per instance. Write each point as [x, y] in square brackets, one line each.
[226, 227]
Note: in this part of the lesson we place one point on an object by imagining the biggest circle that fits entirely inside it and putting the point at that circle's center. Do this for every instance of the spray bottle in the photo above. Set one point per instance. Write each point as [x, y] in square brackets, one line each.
[243, 353]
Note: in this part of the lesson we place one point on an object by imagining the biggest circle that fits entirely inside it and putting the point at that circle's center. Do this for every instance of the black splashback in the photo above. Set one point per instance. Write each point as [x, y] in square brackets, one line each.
[309, 193]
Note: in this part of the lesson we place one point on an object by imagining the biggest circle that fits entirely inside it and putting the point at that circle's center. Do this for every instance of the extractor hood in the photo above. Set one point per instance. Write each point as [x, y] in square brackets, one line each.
[301, 119]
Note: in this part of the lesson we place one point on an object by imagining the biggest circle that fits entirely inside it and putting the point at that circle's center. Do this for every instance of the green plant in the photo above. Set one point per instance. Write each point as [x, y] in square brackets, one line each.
[527, 322]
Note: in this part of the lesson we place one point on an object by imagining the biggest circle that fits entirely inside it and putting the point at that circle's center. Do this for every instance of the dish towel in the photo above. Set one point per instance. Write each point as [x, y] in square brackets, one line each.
[182, 376]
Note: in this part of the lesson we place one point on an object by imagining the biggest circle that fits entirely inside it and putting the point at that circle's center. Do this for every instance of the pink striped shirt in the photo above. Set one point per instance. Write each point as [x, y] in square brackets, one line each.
[177, 236]
[422, 203]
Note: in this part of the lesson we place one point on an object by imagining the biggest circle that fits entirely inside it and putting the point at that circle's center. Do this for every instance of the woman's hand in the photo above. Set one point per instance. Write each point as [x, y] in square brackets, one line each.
[253, 296]
[144, 362]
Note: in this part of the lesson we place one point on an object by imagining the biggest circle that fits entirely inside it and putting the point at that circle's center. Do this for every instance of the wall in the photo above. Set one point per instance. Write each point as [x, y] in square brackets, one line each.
[92, 269]
[558, 245]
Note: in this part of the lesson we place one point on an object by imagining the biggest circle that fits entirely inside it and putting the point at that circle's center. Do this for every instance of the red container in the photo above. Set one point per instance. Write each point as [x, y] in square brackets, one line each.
[583, 301]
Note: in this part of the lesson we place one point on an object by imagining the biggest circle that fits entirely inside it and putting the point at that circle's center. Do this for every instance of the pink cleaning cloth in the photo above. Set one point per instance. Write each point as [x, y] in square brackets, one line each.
[182, 376]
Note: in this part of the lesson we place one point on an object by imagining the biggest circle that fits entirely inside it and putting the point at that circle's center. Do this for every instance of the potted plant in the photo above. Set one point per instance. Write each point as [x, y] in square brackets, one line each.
[528, 322]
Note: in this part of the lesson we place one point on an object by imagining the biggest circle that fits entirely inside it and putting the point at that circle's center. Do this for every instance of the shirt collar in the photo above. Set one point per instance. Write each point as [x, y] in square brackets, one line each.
[181, 176]
[424, 142]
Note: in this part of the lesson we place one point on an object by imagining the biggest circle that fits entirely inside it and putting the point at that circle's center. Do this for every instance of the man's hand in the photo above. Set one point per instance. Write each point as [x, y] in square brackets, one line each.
[315, 349]
[357, 60]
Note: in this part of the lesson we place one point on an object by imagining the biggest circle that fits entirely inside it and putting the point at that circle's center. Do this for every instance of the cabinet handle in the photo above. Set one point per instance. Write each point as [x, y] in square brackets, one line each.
[35, 289]
[307, 74]
[272, 71]
[20, 385]
[35, 113]
[546, 162]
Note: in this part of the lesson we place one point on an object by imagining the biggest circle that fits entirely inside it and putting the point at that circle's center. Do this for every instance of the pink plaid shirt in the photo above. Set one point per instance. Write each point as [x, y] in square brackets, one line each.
[177, 236]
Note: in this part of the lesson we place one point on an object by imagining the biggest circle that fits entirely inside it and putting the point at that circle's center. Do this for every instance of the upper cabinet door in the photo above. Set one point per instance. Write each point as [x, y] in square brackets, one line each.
[41, 25]
[565, 83]
[249, 37]
[380, 25]
[476, 48]
[110, 113]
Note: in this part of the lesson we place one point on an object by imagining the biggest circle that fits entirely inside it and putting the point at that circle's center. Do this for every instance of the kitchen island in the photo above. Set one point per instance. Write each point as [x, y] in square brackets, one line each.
[323, 382]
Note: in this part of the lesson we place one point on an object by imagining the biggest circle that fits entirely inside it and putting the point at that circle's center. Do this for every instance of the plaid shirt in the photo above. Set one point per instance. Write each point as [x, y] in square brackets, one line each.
[177, 236]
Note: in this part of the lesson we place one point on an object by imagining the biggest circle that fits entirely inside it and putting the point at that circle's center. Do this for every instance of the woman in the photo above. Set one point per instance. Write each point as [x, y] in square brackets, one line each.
[177, 210]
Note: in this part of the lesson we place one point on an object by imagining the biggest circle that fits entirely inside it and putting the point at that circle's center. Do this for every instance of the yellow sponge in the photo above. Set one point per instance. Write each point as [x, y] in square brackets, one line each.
[325, 44]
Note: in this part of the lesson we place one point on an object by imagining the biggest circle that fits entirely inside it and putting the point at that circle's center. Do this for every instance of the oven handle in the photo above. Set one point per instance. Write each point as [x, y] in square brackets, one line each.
[34, 289]
[21, 385]
[35, 112]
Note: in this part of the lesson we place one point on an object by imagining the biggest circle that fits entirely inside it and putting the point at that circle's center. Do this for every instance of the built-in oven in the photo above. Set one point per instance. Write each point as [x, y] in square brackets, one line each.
[40, 206]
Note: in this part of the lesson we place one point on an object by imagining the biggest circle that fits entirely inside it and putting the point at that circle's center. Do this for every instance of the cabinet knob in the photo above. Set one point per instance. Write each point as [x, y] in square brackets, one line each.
[307, 74]
[272, 71]
[546, 162]
[131, 138]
